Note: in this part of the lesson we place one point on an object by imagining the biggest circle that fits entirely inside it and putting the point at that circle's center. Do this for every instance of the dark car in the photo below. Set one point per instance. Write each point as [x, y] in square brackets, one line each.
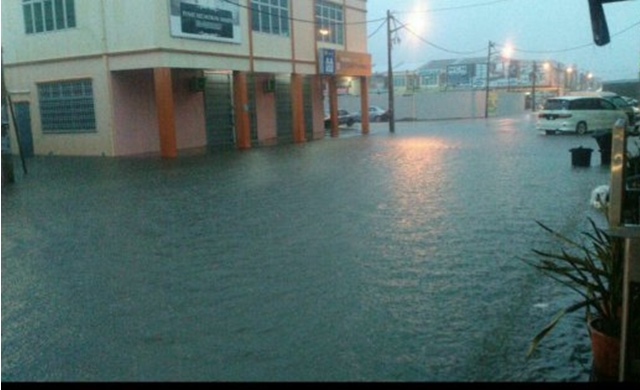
[376, 114]
[344, 118]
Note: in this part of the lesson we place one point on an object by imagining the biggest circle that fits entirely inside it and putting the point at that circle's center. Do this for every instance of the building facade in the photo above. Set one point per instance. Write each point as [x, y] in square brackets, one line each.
[122, 77]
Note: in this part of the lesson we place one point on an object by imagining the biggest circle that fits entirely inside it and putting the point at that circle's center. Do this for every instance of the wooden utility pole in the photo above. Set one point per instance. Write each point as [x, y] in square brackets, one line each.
[486, 92]
[392, 125]
[534, 77]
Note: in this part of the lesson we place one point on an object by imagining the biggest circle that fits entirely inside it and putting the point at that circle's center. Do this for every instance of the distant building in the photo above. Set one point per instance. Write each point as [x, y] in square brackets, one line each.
[471, 73]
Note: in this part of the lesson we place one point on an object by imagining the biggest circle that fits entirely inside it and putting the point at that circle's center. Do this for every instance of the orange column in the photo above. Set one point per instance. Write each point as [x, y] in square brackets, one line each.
[297, 107]
[364, 104]
[333, 106]
[241, 108]
[165, 111]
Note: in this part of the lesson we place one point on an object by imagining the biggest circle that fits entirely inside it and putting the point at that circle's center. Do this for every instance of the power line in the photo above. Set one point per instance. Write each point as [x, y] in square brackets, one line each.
[437, 46]
[301, 20]
[422, 39]
[513, 48]
[454, 8]
[378, 29]
[575, 47]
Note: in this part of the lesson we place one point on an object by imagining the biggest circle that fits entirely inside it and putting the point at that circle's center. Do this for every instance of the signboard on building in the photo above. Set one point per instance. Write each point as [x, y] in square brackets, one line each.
[353, 64]
[327, 61]
[213, 20]
[460, 74]
[343, 63]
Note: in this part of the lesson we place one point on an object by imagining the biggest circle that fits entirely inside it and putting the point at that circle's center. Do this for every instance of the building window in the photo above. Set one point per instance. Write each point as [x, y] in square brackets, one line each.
[270, 16]
[48, 15]
[429, 79]
[67, 107]
[399, 81]
[330, 22]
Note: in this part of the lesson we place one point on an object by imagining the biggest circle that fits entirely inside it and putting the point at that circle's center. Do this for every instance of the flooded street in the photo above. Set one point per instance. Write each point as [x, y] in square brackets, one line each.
[386, 257]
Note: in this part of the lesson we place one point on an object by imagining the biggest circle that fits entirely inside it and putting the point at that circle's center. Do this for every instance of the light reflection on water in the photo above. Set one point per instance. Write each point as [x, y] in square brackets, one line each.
[383, 257]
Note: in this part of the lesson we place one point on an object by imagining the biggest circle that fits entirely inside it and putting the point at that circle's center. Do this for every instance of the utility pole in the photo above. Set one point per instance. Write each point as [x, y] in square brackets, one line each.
[392, 125]
[534, 76]
[486, 92]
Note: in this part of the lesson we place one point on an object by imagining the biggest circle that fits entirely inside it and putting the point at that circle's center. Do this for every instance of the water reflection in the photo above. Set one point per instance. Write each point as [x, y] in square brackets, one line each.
[380, 257]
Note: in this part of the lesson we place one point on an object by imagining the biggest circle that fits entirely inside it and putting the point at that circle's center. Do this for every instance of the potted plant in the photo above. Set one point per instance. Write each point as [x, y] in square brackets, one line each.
[591, 267]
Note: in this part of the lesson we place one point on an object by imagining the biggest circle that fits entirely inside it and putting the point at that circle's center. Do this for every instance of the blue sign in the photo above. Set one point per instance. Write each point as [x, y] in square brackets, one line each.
[327, 61]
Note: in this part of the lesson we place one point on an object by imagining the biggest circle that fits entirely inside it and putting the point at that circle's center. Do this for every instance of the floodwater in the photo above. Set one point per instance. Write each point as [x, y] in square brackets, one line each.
[386, 257]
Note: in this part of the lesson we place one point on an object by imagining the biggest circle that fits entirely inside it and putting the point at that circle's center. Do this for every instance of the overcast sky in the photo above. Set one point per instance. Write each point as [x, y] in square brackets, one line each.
[536, 29]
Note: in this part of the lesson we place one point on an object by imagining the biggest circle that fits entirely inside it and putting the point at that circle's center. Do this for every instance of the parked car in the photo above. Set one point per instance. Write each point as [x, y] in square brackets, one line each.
[578, 114]
[376, 114]
[630, 100]
[633, 113]
[344, 118]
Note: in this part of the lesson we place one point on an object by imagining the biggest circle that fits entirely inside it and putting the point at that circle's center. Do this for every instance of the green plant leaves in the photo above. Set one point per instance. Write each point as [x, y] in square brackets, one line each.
[591, 268]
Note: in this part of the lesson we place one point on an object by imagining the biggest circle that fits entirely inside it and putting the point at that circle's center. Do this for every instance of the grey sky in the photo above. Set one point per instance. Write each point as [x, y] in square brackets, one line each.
[537, 29]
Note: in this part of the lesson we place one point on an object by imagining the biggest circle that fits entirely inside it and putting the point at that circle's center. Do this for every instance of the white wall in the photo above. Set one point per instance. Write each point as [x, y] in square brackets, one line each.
[440, 105]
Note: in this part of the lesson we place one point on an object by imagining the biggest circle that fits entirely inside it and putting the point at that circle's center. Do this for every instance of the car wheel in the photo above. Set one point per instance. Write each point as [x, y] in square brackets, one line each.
[581, 128]
[550, 132]
[378, 118]
[350, 122]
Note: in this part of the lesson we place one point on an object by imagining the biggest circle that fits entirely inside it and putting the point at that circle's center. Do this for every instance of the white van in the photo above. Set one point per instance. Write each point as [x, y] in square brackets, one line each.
[633, 113]
[578, 114]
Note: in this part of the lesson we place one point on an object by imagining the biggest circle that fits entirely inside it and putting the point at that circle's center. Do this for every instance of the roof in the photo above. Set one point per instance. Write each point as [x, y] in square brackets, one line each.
[573, 97]
[400, 67]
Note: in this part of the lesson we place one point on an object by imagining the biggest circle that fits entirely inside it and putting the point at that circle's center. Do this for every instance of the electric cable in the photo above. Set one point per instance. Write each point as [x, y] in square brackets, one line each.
[454, 8]
[437, 46]
[302, 20]
[377, 29]
[572, 48]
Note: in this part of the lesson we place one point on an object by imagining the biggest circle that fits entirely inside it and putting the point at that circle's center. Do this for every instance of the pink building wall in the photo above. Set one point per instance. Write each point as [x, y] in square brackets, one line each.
[265, 111]
[317, 101]
[135, 121]
[135, 124]
[189, 112]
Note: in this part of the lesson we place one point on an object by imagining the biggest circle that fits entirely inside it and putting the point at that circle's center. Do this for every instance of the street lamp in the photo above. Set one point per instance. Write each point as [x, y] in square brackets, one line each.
[324, 31]
[507, 51]
[569, 76]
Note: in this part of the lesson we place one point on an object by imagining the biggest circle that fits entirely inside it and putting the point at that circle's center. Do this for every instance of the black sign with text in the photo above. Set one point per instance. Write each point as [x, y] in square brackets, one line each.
[200, 20]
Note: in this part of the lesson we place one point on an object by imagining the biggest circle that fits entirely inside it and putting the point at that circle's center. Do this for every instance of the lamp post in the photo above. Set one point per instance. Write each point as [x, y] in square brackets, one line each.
[507, 52]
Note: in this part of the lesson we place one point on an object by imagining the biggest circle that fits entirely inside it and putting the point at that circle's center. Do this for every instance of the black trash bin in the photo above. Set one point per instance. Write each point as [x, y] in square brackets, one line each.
[603, 139]
[581, 157]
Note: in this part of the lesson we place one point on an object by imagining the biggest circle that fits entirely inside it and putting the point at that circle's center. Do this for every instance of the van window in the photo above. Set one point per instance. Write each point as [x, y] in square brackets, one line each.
[556, 104]
[606, 105]
[618, 101]
[583, 104]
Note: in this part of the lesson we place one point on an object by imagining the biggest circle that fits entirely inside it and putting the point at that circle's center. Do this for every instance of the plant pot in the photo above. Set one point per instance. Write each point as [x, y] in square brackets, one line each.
[606, 353]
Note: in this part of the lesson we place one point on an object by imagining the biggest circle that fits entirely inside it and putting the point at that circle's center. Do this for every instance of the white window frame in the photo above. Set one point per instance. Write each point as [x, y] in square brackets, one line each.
[67, 106]
[330, 18]
[42, 16]
[271, 18]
